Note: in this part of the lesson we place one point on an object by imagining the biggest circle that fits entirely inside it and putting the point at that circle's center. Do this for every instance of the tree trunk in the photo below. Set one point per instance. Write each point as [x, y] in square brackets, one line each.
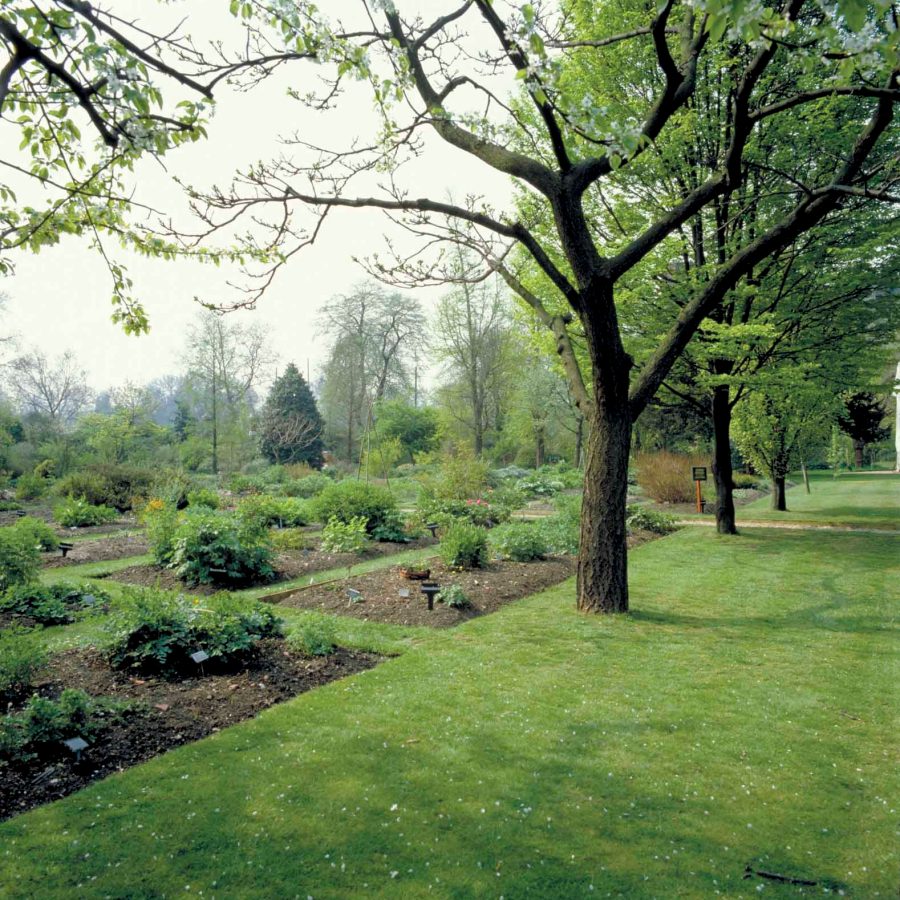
[721, 467]
[602, 558]
[805, 475]
[858, 447]
[778, 499]
[539, 448]
[579, 443]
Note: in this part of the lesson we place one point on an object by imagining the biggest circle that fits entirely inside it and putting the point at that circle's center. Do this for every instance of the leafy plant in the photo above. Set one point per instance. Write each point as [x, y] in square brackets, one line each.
[44, 537]
[307, 487]
[464, 546]
[21, 656]
[158, 631]
[518, 541]
[220, 548]
[289, 539]
[315, 637]
[30, 487]
[350, 499]
[19, 558]
[454, 596]
[562, 531]
[78, 513]
[161, 521]
[639, 518]
[54, 604]
[264, 510]
[345, 537]
[392, 528]
[203, 497]
[10, 506]
[45, 722]
[108, 485]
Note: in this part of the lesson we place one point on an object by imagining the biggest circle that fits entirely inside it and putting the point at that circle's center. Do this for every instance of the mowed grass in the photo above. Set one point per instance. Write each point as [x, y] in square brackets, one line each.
[744, 714]
[863, 500]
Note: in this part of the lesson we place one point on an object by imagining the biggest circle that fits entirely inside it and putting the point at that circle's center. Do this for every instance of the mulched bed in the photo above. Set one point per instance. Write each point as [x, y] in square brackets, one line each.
[489, 589]
[289, 565]
[178, 712]
[98, 551]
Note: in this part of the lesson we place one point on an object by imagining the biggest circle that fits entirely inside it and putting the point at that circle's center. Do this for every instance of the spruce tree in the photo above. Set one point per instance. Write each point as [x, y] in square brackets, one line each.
[291, 427]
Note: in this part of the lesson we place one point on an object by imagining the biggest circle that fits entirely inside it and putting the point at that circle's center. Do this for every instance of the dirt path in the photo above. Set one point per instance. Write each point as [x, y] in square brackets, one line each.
[796, 526]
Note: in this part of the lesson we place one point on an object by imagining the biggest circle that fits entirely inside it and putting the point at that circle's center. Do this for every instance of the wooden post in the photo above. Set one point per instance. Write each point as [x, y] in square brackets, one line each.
[699, 498]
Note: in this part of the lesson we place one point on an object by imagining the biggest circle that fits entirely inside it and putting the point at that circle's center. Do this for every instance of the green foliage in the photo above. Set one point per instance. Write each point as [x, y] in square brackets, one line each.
[345, 537]
[19, 558]
[747, 482]
[173, 488]
[30, 487]
[54, 604]
[161, 521]
[263, 511]
[78, 513]
[211, 547]
[306, 487]
[38, 531]
[454, 596]
[118, 486]
[414, 428]
[44, 723]
[291, 427]
[10, 506]
[486, 512]
[205, 497]
[392, 528]
[21, 656]
[350, 499]
[157, 631]
[562, 531]
[518, 541]
[639, 518]
[315, 637]
[465, 546]
[289, 539]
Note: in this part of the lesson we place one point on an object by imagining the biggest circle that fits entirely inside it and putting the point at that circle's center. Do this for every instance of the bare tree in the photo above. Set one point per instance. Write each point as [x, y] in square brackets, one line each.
[225, 361]
[56, 388]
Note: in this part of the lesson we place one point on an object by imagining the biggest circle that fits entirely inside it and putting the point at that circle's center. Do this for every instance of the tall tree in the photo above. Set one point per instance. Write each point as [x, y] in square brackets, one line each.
[226, 360]
[56, 388]
[472, 338]
[862, 420]
[794, 63]
[290, 424]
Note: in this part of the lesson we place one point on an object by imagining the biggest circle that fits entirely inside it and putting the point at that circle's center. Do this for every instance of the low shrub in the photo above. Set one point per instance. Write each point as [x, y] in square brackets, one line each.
[30, 487]
[743, 481]
[289, 539]
[21, 656]
[78, 513]
[246, 484]
[518, 541]
[639, 518]
[314, 637]
[109, 485]
[392, 528]
[157, 631]
[44, 723]
[454, 596]
[161, 521]
[37, 530]
[464, 546]
[666, 477]
[54, 604]
[211, 547]
[306, 487]
[347, 500]
[10, 506]
[562, 531]
[345, 537]
[203, 497]
[479, 511]
[19, 558]
[172, 487]
[264, 511]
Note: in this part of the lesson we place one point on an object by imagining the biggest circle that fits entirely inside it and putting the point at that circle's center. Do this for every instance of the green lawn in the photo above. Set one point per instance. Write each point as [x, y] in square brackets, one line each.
[746, 713]
[862, 500]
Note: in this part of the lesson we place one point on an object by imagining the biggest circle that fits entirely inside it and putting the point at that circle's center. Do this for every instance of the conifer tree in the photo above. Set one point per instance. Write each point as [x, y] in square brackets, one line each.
[291, 427]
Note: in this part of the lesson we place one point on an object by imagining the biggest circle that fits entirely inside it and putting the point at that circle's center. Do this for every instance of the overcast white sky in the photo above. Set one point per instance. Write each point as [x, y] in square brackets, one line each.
[59, 299]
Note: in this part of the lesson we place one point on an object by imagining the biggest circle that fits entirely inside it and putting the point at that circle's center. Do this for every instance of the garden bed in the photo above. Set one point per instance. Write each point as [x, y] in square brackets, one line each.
[289, 564]
[100, 550]
[488, 589]
[177, 712]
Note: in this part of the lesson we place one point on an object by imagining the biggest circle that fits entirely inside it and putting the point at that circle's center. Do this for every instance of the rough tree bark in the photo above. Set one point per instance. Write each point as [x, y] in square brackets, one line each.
[779, 502]
[721, 467]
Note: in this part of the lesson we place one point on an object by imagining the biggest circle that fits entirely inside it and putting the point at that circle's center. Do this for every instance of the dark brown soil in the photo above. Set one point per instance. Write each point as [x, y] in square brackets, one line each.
[98, 551]
[289, 565]
[488, 589]
[176, 712]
